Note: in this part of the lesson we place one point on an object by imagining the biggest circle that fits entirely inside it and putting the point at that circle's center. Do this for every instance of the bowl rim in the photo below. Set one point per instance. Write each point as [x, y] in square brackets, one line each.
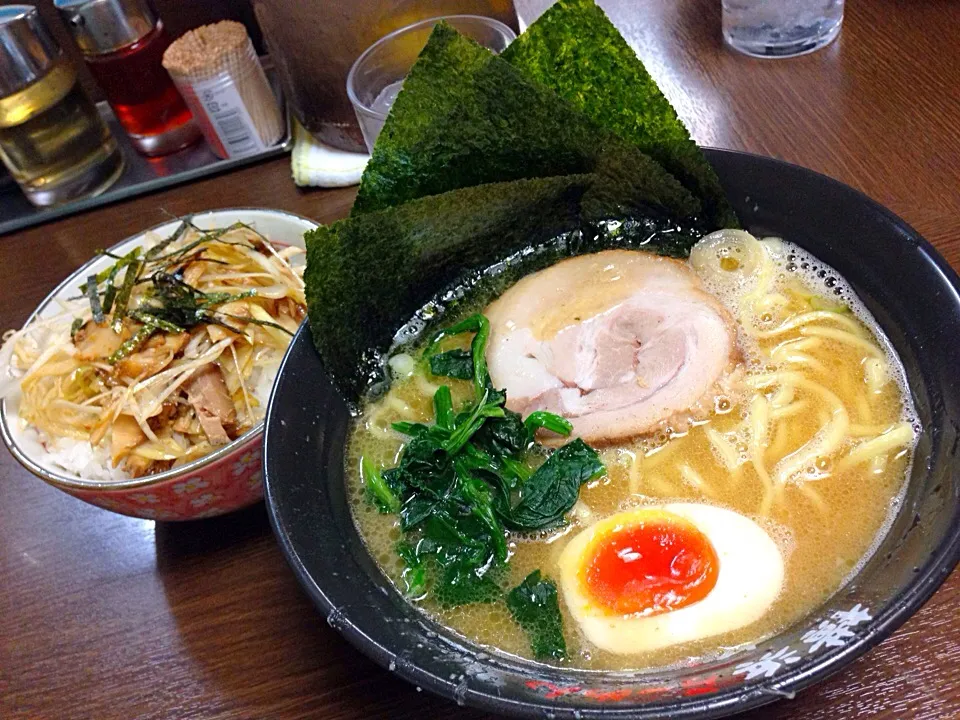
[750, 694]
[66, 481]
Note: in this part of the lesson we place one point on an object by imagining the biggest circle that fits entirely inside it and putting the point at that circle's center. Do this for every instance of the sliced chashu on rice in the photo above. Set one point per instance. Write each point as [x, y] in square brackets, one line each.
[617, 342]
[208, 394]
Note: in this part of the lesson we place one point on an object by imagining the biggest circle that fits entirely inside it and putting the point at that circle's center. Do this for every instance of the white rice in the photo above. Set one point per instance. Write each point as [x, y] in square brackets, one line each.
[79, 458]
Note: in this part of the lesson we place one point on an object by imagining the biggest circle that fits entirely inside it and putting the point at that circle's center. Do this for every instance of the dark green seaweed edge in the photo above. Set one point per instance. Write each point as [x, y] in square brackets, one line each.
[606, 80]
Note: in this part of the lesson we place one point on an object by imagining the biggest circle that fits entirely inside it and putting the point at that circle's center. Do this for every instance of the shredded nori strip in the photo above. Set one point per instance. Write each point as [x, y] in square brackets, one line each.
[159, 323]
[153, 252]
[178, 303]
[130, 276]
[253, 321]
[219, 298]
[110, 291]
[195, 257]
[94, 297]
[176, 257]
[171, 305]
[133, 344]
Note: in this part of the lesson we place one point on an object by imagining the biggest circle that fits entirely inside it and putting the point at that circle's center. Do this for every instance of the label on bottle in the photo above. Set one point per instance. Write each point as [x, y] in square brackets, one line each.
[228, 116]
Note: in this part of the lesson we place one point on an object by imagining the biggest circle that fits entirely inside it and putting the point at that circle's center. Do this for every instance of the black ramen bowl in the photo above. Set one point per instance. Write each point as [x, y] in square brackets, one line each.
[913, 294]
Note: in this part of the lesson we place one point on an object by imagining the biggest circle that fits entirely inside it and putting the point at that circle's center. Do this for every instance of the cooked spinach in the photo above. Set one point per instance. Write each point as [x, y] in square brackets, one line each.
[454, 364]
[547, 421]
[504, 436]
[461, 483]
[533, 604]
[414, 572]
[379, 492]
[480, 326]
[443, 407]
[553, 489]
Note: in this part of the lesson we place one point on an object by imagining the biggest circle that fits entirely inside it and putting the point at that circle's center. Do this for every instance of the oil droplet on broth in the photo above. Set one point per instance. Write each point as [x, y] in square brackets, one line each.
[730, 264]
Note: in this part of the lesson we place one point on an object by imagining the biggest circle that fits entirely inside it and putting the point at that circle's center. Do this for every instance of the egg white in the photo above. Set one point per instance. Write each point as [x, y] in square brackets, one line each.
[750, 577]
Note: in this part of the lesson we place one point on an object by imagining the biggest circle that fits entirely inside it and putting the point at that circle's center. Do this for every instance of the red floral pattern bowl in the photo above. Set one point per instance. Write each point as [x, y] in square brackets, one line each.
[225, 480]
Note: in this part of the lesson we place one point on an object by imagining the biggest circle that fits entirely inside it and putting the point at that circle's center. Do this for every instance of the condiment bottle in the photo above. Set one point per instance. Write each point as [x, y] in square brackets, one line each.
[123, 42]
[52, 138]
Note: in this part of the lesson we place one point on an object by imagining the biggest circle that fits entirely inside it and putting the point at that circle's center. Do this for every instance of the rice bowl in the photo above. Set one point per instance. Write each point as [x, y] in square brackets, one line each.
[222, 480]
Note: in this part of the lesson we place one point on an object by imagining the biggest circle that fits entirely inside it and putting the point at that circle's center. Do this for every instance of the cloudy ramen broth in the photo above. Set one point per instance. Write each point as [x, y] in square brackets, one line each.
[813, 440]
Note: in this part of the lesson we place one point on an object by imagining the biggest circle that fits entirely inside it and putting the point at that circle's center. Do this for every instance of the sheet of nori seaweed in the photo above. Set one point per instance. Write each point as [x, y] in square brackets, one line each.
[574, 49]
[466, 117]
[367, 275]
[477, 162]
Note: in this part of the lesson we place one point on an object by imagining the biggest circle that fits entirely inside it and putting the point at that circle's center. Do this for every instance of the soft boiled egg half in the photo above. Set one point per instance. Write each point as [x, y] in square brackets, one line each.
[663, 575]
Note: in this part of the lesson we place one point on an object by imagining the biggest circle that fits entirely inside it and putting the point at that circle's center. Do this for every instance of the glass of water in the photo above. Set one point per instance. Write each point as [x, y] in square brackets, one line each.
[780, 28]
[377, 76]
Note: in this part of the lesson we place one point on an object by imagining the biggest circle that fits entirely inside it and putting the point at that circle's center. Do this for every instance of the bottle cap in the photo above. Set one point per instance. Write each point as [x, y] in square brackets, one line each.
[27, 50]
[103, 26]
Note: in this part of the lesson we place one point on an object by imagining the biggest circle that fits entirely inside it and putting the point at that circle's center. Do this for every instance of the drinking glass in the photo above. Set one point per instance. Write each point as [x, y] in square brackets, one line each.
[780, 28]
[377, 76]
[313, 43]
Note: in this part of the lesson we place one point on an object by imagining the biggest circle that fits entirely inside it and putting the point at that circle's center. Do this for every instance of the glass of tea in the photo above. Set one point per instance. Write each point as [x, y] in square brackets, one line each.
[377, 76]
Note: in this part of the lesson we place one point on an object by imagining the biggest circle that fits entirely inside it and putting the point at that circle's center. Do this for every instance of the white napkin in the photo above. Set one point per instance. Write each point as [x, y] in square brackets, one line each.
[316, 164]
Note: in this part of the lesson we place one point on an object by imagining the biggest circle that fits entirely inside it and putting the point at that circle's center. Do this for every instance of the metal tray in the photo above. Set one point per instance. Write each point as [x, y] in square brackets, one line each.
[141, 175]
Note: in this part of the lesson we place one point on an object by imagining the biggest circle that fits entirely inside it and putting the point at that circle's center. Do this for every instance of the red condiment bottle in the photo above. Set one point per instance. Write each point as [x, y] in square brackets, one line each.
[123, 42]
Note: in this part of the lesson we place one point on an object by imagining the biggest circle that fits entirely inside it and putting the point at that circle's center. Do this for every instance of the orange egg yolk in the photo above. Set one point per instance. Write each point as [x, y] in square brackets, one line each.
[650, 567]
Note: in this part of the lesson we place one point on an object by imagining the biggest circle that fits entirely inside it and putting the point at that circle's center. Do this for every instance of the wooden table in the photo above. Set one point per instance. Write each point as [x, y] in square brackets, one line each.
[103, 616]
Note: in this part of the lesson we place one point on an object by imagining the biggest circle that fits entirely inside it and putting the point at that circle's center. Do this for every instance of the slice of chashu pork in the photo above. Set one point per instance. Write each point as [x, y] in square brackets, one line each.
[617, 342]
